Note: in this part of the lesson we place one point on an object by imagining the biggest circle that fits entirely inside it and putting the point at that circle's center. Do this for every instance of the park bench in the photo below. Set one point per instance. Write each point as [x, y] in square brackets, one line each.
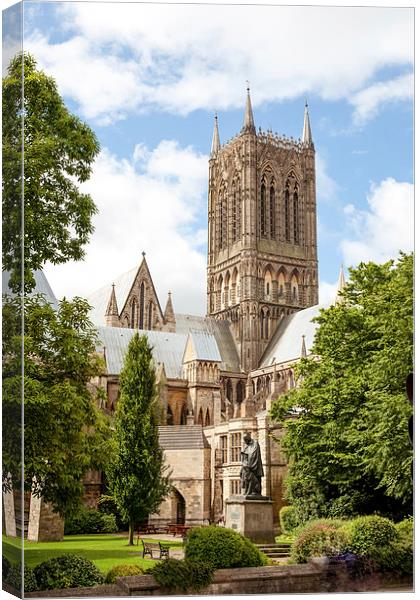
[150, 547]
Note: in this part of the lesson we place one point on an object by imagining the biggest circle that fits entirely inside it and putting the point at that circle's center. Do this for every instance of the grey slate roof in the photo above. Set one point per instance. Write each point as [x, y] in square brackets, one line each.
[286, 343]
[179, 437]
[221, 332]
[100, 298]
[168, 348]
[41, 287]
[204, 346]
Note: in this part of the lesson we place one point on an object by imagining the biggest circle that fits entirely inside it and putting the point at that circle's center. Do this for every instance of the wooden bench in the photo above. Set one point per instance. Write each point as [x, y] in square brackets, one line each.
[150, 547]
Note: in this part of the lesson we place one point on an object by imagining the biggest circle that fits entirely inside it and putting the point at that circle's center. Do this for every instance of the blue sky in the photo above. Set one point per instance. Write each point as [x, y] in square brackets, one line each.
[148, 79]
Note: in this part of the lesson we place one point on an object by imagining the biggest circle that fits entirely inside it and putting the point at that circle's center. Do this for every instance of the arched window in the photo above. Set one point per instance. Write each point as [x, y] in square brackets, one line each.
[222, 220]
[262, 324]
[294, 289]
[295, 217]
[237, 217]
[200, 417]
[184, 414]
[169, 417]
[133, 314]
[272, 211]
[267, 315]
[281, 284]
[287, 213]
[141, 322]
[240, 391]
[207, 419]
[150, 315]
[229, 389]
[262, 211]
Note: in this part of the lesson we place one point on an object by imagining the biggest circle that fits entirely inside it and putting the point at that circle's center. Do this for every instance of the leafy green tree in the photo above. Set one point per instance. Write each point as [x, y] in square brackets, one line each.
[136, 473]
[64, 432]
[58, 150]
[349, 450]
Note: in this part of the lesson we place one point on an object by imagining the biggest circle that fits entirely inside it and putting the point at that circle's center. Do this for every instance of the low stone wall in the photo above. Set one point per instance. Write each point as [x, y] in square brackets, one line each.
[284, 579]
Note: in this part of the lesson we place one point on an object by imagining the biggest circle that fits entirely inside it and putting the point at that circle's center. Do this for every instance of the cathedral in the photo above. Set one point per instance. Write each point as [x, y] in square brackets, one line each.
[218, 375]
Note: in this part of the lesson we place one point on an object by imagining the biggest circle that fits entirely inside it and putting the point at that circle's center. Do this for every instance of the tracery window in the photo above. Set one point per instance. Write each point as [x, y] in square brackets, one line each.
[263, 211]
[272, 211]
[296, 217]
[240, 392]
[287, 213]
[141, 321]
[221, 221]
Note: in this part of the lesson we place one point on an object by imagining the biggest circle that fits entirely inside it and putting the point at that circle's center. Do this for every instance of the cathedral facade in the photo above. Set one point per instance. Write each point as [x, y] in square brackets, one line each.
[218, 375]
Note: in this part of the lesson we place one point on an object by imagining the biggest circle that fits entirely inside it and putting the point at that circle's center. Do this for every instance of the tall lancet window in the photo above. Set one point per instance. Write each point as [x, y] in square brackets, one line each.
[272, 211]
[287, 213]
[150, 316]
[263, 226]
[295, 217]
[133, 314]
[221, 221]
[236, 212]
[141, 320]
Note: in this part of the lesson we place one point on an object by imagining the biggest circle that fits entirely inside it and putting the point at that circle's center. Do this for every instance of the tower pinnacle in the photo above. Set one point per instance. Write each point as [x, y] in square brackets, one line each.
[340, 286]
[215, 144]
[249, 126]
[306, 133]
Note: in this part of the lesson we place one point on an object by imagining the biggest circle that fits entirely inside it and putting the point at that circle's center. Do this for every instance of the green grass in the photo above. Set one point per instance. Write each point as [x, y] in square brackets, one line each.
[285, 539]
[105, 550]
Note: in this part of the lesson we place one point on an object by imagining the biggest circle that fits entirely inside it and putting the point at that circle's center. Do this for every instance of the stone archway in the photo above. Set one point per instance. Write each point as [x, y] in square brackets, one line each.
[178, 507]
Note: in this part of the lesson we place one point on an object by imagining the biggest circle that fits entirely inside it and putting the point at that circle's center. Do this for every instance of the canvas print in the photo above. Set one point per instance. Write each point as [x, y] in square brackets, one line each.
[208, 232]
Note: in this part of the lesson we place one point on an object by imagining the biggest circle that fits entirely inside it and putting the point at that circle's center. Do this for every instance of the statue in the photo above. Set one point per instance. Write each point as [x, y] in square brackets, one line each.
[252, 469]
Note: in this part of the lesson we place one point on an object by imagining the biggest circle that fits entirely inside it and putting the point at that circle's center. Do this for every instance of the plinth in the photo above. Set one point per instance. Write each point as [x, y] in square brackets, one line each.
[252, 516]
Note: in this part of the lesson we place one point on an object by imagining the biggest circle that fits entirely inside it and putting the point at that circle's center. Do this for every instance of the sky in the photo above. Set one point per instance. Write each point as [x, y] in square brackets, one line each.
[148, 78]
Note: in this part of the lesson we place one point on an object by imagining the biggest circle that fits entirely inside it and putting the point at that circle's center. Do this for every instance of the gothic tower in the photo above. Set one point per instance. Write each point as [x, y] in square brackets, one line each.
[262, 248]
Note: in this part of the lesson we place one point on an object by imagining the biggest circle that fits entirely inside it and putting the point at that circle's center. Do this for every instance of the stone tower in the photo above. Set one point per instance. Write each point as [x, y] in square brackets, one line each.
[262, 247]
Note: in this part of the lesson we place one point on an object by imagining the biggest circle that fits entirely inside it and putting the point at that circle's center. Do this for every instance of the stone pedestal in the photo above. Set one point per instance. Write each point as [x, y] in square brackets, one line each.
[252, 516]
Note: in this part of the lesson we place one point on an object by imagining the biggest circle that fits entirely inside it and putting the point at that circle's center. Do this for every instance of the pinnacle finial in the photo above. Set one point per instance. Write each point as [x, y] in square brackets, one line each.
[306, 133]
[143, 254]
[248, 126]
[340, 286]
[215, 144]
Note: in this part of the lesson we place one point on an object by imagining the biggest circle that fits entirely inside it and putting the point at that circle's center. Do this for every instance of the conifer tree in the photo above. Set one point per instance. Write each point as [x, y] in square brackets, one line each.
[136, 474]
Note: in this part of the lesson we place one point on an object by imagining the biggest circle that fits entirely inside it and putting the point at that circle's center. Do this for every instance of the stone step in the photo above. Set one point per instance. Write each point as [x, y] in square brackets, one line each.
[273, 545]
[275, 550]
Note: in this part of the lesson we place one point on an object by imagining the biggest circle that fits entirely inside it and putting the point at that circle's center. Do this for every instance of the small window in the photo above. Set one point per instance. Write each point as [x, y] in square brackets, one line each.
[235, 447]
[223, 448]
[235, 487]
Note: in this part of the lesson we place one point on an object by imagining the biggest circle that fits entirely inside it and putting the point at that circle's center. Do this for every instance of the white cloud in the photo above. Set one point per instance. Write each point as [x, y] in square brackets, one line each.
[384, 229]
[326, 187]
[327, 292]
[368, 102]
[131, 57]
[152, 205]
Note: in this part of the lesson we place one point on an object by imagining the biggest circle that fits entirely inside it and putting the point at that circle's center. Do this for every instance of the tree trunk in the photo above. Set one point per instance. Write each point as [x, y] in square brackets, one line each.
[131, 533]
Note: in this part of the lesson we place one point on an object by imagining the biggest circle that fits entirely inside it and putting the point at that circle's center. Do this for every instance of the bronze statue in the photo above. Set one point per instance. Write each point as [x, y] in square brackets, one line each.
[252, 469]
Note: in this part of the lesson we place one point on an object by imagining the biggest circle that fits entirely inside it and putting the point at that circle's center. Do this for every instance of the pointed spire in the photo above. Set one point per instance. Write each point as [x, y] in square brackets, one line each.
[340, 286]
[249, 126]
[303, 352]
[111, 314]
[169, 315]
[215, 144]
[306, 133]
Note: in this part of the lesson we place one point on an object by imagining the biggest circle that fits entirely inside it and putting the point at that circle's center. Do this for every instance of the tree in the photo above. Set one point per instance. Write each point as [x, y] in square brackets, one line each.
[136, 472]
[349, 450]
[64, 432]
[58, 150]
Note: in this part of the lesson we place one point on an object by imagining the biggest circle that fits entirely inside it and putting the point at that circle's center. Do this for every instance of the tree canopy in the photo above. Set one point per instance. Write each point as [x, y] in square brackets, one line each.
[349, 450]
[136, 472]
[47, 153]
[64, 432]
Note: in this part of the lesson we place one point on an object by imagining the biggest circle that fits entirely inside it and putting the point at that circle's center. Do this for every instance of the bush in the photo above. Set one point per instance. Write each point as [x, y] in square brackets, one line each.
[367, 534]
[318, 539]
[108, 506]
[222, 548]
[5, 566]
[405, 529]
[288, 519]
[67, 571]
[397, 556]
[89, 520]
[122, 571]
[14, 578]
[182, 575]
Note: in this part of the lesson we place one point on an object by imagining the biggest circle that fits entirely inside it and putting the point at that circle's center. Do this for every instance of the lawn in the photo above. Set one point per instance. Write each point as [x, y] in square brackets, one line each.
[105, 551]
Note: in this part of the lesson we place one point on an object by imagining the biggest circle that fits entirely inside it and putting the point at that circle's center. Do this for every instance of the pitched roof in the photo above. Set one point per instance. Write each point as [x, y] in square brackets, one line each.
[201, 345]
[99, 299]
[41, 287]
[286, 343]
[168, 348]
[178, 437]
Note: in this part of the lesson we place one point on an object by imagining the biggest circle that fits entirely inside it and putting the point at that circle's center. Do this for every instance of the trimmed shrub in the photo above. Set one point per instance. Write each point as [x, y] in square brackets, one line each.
[222, 548]
[405, 529]
[288, 519]
[89, 520]
[182, 575]
[397, 556]
[122, 571]
[5, 566]
[367, 534]
[67, 571]
[14, 578]
[318, 539]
